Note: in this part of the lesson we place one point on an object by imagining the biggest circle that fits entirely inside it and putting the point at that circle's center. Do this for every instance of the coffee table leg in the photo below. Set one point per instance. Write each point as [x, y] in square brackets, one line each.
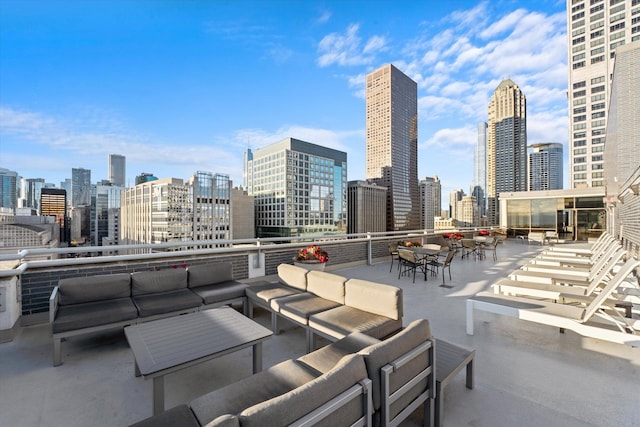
[257, 357]
[158, 395]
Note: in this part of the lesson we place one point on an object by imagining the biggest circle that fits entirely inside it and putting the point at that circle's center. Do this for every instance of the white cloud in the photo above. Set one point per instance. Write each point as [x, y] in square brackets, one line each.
[346, 49]
[324, 17]
[449, 138]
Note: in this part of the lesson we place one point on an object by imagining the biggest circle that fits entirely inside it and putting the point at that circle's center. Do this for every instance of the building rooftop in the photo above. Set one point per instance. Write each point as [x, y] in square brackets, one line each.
[525, 374]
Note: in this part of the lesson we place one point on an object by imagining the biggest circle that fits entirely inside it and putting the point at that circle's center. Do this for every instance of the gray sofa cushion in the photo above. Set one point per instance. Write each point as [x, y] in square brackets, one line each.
[80, 316]
[341, 321]
[234, 398]
[289, 407]
[79, 290]
[221, 292]
[327, 357]
[179, 416]
[209, 274]
[299, 307]
[151, 282]
[166, 302]
[378, 355]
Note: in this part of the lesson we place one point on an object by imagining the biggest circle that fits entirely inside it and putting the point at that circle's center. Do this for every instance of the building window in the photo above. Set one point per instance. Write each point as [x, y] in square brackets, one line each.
[577, 41]
[578, 85]
[580, 143]
[578, 65]
[579, 118]
[598, 33]
[597, 89]
[580, 135]
[596, 98]
[597, 115]
[599, 140]
[596, 132]
[579, 176]
[598, 123]
[599, 106]
[597, 166]
[597, 158]
[579, 151]
[579, 168]
[579, 126]
[597, 149]
[577, 16]
[579, 93]
[580, 160]
[597, 59]
[597, 183]
[597, 8]
[597, 16]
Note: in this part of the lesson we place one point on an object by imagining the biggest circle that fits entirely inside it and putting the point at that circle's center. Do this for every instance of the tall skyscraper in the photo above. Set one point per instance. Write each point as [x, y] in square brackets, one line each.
[622, 154]
[545, 166]
[105, 199]
[392, 143]
[299, 189]
[80, 187]
[117, 169]
[479, 187]
[30, 189]
[8, 189]
[429, 208]
[53, 202]
[366, 210]
[506, 145]
[596, 29]
[454, 197]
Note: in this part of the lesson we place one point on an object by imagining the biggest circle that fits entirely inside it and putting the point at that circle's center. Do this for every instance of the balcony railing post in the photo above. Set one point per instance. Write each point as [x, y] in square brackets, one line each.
[369, 249]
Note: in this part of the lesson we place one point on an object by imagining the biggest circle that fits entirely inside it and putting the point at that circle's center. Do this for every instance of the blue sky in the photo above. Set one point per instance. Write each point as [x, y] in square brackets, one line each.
[181, 86]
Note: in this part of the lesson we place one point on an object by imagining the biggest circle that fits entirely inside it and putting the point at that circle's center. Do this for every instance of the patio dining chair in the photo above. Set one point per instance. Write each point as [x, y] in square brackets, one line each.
[469, 247]
[393, 252]
[444, 264]
[493, 247]
[409, 262]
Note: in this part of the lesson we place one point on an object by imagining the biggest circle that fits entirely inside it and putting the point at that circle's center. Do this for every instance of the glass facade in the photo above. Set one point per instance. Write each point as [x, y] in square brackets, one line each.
[299, 188]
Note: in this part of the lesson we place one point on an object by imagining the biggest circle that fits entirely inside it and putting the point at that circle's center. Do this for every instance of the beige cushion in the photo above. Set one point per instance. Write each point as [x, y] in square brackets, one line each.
[341, 321]
[326, 285]
[376, 298]
[326, 358]
[284, 410]
[299, 307]
[224, 421]
[379, 355]
[293, 276]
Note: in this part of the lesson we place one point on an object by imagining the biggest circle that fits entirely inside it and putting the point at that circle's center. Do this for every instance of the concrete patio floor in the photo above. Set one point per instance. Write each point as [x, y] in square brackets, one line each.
[525, 374]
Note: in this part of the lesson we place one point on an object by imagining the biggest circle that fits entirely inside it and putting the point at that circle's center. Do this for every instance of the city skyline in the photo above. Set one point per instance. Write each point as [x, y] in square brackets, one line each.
[180, 89]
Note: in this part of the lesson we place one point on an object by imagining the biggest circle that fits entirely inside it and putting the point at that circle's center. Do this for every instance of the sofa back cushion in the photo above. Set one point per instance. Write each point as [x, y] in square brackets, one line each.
[326, 285]
[293, 276]
[378, 355]
[210, 274]
[291, 406]
[151, 282]
[383, 300]
[77, 290]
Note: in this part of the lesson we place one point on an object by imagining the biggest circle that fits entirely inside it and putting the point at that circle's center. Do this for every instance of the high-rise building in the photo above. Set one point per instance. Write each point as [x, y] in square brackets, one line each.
[596, 29]
[506, 145]
[145, 177]
[454, 197]
[80, 187]
[243, 216]
[210, 196]
[117, 169]
[29, 196]
[105, 199]
[299, 188]
[437, 196]
[366, 207]
[8, 189]
[479, 187]
[428, 207]
[392, 143]
[545, 166]
[53, 202]
[622, 154]
[156, 211]
[467, 212]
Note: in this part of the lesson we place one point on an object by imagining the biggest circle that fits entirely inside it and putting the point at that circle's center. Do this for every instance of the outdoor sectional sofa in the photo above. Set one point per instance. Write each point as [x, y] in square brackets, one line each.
[357, 380]
[329, 305]
[83, 305]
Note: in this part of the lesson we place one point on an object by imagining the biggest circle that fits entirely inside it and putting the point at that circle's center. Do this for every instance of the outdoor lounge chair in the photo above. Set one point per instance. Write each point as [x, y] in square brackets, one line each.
[469, 247]
[535, 272]
[555, 291]
[577, 261]
[602, 240]
[596, 319]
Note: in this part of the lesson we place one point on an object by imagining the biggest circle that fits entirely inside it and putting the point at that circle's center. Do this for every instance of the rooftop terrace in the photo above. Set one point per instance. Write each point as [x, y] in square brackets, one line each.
[526, 374]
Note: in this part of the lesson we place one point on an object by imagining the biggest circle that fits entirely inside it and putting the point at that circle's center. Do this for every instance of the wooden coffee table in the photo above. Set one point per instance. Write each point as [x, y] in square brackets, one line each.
[167, 345]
